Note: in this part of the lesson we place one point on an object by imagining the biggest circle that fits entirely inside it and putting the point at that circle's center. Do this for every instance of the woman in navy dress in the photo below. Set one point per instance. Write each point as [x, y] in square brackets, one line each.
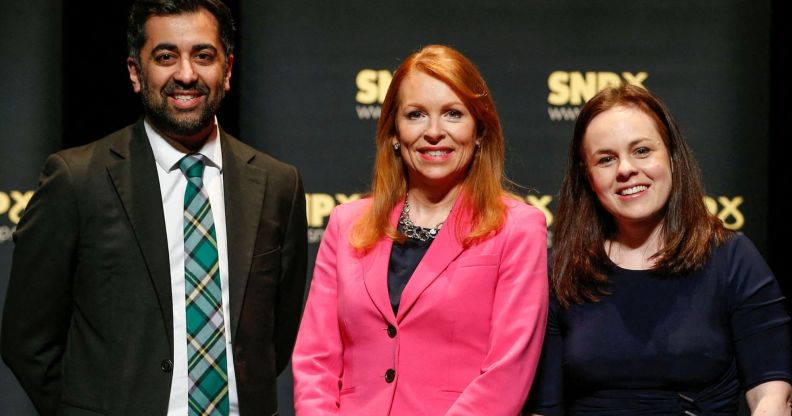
[657, 309]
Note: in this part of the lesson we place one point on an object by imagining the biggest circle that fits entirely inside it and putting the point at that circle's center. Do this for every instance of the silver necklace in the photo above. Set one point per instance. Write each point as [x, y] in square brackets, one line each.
[413, 231]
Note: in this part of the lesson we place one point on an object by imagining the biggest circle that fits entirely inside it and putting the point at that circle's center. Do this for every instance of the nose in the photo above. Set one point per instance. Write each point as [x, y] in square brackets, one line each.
[626, 169]
[434, 131]
[185, 73]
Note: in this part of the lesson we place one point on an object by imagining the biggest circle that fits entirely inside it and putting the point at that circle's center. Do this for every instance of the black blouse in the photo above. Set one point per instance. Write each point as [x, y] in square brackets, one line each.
[404, 258]
[668, 346]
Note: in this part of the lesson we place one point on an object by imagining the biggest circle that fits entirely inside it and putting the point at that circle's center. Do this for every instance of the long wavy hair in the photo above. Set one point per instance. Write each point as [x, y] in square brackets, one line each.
[482, 188]
[688, 231]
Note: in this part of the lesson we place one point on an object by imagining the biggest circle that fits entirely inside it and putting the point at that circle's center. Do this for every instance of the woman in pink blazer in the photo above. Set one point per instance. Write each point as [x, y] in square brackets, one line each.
[429, 297]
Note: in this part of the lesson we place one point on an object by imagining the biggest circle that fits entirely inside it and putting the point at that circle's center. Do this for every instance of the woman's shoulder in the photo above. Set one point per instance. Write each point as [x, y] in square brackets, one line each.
[345, 215]
[735, 247]
[740, 265]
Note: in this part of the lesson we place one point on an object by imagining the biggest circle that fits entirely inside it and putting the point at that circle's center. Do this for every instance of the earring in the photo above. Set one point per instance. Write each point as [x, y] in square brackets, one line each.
[396, 146]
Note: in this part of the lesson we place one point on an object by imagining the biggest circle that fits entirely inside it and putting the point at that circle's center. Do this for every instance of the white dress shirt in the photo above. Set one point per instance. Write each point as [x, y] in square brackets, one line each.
[173, 184]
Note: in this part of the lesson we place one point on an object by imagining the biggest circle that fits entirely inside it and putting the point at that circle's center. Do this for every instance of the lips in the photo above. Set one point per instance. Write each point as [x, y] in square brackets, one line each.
[435, 153]
[185, 96]
[184, 101]
[632, 190]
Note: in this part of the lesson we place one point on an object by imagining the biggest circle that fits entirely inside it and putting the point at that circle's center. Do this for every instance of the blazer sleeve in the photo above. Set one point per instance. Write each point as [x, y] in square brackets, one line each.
[518, 322]
[291, 286]
[38, 305]
[317, 362]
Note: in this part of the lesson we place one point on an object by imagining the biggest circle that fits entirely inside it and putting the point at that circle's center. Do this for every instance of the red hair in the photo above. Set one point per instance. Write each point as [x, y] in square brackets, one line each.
[482, 188]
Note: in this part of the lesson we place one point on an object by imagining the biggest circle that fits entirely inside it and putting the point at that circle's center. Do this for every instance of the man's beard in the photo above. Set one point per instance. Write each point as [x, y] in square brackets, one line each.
[173, 122]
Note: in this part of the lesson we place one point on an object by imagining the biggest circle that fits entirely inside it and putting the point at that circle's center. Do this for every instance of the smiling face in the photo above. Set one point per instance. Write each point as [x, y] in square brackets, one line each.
[183, 74]
[436, 131]
[628, 165]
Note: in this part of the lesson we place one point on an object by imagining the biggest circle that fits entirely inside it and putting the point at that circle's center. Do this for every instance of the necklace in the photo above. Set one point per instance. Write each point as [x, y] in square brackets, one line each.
[413, 231]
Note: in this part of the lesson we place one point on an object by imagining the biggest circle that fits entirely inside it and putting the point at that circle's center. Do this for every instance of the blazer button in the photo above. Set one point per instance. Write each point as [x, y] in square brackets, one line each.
[390, 375]
[391, 331]
[166, 366]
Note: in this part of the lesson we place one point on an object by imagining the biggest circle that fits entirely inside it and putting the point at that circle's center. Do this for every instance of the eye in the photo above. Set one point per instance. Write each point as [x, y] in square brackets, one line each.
[205, 57]
[454, 113]
[165, 58]
[605, 160]
[414, 115]
[643, 151]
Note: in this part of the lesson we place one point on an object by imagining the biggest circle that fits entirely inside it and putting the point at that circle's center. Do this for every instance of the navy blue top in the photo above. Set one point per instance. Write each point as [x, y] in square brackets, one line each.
[404, 259]
[667, 346]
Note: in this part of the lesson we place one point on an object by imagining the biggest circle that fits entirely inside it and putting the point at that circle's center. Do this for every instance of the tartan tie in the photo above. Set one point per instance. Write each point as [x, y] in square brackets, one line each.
[206, 349]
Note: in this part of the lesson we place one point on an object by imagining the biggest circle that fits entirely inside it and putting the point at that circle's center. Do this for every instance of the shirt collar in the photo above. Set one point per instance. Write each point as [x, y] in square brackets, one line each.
[167, 156]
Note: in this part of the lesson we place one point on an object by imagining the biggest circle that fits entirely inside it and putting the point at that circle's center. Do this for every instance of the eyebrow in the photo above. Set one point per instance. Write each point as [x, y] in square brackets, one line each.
[173, 48]
[202, 46]
[164, 47]
[631, 144]
[448, 104]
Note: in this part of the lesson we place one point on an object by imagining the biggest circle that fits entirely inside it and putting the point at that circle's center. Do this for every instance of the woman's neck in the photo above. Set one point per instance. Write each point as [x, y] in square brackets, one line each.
[635, 244]
[430, 206]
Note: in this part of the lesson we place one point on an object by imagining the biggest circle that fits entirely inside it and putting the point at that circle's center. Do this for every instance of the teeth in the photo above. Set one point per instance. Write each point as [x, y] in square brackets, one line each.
[183, 97]
[437, 152]
[634, 190]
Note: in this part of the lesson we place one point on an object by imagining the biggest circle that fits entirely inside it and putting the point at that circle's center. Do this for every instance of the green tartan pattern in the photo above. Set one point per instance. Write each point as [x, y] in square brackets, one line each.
[206, 352]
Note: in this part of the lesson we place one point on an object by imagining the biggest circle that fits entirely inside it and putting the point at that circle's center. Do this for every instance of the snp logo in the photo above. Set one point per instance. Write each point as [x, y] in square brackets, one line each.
[12, 203]
[318, 208]
[569, 90]
[727, 209]
[372, 85]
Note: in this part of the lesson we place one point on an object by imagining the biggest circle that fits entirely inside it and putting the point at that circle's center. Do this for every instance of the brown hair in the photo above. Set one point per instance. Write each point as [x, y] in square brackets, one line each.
[482, 188]
[580, 263]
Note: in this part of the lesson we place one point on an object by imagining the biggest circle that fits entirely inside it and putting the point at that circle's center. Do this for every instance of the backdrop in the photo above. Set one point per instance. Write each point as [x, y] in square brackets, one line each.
[310, 76]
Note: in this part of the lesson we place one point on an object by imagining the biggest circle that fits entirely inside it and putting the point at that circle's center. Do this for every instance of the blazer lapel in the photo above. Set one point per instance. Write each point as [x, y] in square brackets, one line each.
[444, 249]
[375, 271]
[134, 176]
[243, 187]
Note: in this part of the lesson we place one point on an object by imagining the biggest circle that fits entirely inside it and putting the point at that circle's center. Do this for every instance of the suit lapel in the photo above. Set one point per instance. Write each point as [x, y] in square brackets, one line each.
[375, 272]
[243, 187]
[444, 249]
[134, 176]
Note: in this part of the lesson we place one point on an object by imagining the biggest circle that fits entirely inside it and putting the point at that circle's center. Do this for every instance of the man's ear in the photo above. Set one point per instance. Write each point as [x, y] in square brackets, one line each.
[134, 74]
[229, 66]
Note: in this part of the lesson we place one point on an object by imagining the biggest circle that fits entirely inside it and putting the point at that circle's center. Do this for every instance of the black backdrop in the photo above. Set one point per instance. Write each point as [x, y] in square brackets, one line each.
[309, 76]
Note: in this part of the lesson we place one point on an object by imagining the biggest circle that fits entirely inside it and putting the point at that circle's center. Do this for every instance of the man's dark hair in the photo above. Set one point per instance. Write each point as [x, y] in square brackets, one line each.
[142, 10]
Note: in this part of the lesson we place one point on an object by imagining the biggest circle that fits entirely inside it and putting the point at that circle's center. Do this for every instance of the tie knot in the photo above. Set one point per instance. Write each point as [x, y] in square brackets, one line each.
[192, 166]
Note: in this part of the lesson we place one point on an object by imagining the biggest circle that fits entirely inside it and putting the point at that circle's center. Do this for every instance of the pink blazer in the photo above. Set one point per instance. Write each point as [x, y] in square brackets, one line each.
[467, 336]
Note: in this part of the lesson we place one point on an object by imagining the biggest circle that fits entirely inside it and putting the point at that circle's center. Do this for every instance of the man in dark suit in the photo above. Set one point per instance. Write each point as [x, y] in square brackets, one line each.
[160, 270]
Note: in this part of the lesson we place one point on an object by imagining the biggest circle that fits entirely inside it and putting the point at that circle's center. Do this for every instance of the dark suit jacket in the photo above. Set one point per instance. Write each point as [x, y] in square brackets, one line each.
[87, 327]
